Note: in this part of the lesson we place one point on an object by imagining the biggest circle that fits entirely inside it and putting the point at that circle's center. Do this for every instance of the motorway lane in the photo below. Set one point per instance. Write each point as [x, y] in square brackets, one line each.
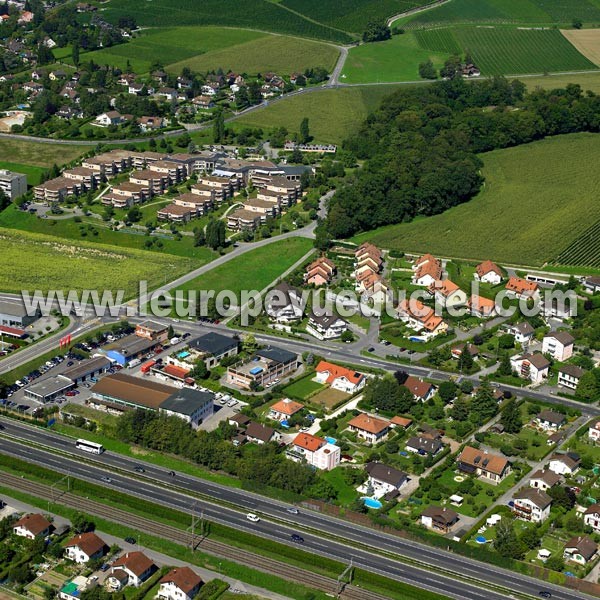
[424, 579]
[247, 501]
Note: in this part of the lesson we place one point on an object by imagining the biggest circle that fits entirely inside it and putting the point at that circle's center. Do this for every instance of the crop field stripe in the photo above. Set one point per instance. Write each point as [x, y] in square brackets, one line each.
[438, 40]
[584, 251]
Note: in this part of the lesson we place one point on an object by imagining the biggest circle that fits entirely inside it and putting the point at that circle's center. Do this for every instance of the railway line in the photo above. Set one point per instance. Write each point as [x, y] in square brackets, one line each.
[168, 532]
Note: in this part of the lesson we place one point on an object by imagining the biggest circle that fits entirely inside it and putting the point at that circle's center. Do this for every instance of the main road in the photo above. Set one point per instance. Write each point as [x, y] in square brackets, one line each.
[368, 548]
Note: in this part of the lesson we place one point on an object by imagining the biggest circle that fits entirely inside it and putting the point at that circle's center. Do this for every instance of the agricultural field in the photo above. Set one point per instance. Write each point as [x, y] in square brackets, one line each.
[332, 113]
[584, 251]
[495, 50]
[262, 15]
[587, 41]
[539, 12]
[210, 48]
[504, 222]
[351, 15]
[65, 265]
[587, 81]
[40, 155]
[255, 269]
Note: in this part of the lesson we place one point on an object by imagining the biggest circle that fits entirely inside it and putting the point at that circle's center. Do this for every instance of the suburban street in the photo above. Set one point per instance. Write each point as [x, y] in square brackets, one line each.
[157, 485]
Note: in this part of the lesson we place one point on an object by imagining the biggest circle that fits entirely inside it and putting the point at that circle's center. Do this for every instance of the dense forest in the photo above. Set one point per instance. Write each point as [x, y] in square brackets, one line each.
[420, 148]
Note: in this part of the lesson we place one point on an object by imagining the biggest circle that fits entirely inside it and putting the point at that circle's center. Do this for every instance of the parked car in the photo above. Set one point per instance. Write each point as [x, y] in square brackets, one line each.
[130, 540]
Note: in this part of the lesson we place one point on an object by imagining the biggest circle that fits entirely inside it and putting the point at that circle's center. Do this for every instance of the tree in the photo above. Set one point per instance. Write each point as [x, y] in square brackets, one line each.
[249, 344]
[556, 562]
[465, 360]
[75, 53]
[387, 395]
[304, 131]
[347, 336]
[219, 128]
[199, 238]
[504, 368]
[82, 523]
[506, 543]
[460, 410]
[376, 32]
[134, 214]
[577, 24]
[427, 70]
[588, 388]
[531, 537]
[199, 371]
[506, 341]
[215, 234]
[562, 497]
[484, 405]
[447, 391]
[511, 417]
[451, 68]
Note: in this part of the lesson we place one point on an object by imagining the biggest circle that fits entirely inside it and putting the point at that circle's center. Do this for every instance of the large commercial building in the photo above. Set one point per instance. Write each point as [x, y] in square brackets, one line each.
[14, 314]
[266, 366]
[12, 184]
[122, 392]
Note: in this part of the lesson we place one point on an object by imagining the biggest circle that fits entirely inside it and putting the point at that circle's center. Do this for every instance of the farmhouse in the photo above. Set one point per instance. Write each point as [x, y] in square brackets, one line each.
[569, 376]
[521, 288]
[492, 467]
[559, 345]
[368, 428]
[85, 547]
[532, 504]
[385, 481]
[32, 526]
[534, 366]
[550, 420]
[581, 550]
[488, 272]
[441, 519]
[326, 326]
[316, 451]
[179, 584]
[339, 378]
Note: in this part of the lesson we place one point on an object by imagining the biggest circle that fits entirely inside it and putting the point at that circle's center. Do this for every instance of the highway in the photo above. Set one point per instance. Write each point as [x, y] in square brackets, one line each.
[157, 485]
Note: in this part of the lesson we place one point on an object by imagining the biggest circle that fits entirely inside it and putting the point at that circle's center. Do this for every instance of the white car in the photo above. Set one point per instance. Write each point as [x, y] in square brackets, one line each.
[232, 403]
[252, 517]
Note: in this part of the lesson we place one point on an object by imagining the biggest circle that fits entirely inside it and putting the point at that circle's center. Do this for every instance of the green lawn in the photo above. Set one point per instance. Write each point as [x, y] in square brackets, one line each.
[303, 388]
[255, 269]
[34, 174]
[495, 50]
[587, 81]
[346, 494]
[38, 154]
[32, 261]
[561, 173]
[332, 113]
[255, 14]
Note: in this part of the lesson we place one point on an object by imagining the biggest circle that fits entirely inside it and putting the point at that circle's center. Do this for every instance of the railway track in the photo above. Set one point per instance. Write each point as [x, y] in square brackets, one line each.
[168, 532]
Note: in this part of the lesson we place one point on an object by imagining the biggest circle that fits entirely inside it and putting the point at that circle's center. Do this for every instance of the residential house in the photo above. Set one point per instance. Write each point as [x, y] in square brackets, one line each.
[316, 451]
[592, 284]
[522, 289]
[424, 445]
[421, 390]
[564, 464]
[32, 526]
[523, 332]
[151, 123]
[472, 349]
[402, 422]
[203, 101]
[421, 318]
[213, 348]
[581, 550]
[73, 589]
[167, 93]
[594, 432]
[481, 307]
[534, 366]
[135, 565]
[340, 378]
[427, 270]
[326, 326]
[543, 480]
[550, 420]
[112, 117]
[319, 272]
[441, 519]
[199, 204]
[447, 294]
[532, 504]
[368, 255]
[85, 547]
[482, 463]
[384, 481]
[569, 376]
[284, 304]
[266, 210]
[591, 517]
[179, 584]
[261, 434]
[559, 345]
[488, 272]
[243, 220]
[284, 409]
[369, 428]
[175, 213]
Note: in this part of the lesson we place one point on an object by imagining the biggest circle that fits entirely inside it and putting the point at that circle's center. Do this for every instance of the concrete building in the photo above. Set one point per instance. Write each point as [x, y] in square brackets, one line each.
[13, 184]
[14, 314]
[48, 389]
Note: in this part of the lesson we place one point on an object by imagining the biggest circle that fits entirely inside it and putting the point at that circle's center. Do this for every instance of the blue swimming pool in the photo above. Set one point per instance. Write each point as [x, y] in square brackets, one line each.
[330, 440]
[372, 502]
[480, 539]
[183, 354]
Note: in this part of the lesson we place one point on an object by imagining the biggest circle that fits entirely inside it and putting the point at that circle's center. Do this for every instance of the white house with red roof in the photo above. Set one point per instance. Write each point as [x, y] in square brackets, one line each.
[522, 289]
[316, 451]
[136, 567]
[284, 409]
[340, 378]
[421, 318]
[421, 390]
[488, 272]
[85, 547]
[447, 293]
[32, 526]
[179, 584]
[427, 270]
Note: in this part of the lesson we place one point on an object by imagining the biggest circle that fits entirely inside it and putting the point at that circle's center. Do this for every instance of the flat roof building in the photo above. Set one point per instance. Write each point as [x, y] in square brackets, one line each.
[87, 368]
[14, 314]
[49, 389]
[13, 184]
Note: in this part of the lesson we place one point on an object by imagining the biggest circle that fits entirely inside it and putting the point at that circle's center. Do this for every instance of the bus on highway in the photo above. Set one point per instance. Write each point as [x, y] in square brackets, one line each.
[89, 446]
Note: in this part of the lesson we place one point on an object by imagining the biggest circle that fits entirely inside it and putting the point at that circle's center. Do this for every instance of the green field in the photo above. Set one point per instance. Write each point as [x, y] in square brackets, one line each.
[332, 113]
[303, 388]
[537, 200]
[350, 15]
[34, 174]
[495, 50]
[253, 270]
[32, 261]
[38, 154]
[508, 11]
[587, 81]
[254, 14]
[212, 48]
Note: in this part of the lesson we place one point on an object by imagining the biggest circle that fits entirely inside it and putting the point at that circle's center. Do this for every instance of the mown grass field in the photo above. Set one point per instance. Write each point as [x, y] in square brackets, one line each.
[34, 174]
[587, 81]
[253, 270]
[537, 200]
[32, 261]
[332, 114]
[253, 14]
[495, 50]
[37, 154]
[587, 41]
[508, 12]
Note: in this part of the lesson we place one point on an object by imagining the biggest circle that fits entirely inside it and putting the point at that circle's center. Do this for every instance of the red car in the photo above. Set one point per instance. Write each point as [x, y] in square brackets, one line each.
[70, 394]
